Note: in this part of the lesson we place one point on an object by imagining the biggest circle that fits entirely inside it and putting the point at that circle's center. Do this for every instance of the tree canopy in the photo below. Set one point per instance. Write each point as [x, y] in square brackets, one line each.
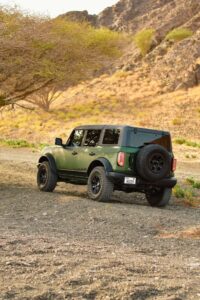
[38, 53]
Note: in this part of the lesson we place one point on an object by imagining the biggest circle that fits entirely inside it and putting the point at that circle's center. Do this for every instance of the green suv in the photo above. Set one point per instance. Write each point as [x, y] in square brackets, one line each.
[112, 157]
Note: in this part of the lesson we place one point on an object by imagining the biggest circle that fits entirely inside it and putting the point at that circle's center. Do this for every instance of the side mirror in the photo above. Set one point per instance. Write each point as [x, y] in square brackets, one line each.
[58, 142]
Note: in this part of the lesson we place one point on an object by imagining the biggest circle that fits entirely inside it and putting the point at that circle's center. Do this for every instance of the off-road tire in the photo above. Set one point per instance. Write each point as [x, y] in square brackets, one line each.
[153, 162]
[160, 197]
[103, 192]
[46, 178]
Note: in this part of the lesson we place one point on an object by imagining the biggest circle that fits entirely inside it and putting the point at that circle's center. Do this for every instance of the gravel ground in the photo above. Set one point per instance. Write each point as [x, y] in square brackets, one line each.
[62, 245]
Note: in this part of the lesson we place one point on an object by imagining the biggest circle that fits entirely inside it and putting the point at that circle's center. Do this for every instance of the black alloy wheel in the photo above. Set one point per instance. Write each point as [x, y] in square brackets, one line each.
[46, 178]
[42, 175]
[156, 163]
[96, 184]
[100, 188]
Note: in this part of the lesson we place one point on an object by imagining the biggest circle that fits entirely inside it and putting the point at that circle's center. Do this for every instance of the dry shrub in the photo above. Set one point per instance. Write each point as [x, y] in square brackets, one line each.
[178, 34]
[144, 39]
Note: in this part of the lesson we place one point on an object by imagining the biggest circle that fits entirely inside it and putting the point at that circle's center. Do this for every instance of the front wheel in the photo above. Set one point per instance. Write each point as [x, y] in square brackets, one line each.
[159, 197]
[100, 188]
[46, 179]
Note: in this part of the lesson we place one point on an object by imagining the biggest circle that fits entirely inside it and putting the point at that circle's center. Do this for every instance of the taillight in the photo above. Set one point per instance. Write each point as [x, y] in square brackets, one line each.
[121, 159]
[174, 162]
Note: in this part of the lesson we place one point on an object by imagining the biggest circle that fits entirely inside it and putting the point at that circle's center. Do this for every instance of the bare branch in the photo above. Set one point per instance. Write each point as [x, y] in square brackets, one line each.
[22, 106]
[22, 96]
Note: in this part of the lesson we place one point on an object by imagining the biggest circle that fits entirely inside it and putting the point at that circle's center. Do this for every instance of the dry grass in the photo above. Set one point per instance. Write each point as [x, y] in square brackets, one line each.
[125, 98]
[190, 233]
[194, 202]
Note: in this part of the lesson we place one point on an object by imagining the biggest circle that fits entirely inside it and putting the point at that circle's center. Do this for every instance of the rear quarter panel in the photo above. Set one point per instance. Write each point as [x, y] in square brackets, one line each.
[111, 154]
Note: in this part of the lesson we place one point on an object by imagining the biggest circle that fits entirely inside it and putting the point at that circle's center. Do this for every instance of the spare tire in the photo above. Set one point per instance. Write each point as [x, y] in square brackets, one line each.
[153, 162]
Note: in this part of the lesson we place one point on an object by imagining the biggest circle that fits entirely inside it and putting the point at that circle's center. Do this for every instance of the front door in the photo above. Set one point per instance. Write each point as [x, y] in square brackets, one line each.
[67, 156]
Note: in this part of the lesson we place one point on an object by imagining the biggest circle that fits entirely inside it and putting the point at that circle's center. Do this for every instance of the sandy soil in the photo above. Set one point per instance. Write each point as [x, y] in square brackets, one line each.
[65, 246]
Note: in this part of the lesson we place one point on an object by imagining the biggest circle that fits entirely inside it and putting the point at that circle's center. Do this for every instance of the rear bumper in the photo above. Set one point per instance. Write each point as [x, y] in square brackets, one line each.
[118, 179]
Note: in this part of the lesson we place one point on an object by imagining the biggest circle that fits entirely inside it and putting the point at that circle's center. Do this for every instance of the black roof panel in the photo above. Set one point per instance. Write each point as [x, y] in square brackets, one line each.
[100, 126]
[110, 126]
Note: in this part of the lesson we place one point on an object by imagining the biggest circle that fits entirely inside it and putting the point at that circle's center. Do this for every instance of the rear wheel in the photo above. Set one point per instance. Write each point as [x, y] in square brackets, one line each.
[100, 188]
[159, 197]
[46, 179]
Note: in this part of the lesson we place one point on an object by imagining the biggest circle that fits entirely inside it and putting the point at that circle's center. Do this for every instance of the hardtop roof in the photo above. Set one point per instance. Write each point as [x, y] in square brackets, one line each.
[100, 126]
[110, 126]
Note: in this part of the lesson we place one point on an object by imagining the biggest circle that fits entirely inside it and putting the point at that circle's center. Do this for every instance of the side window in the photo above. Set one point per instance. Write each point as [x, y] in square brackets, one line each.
[111, 137]
[92, 137]
[76, 138]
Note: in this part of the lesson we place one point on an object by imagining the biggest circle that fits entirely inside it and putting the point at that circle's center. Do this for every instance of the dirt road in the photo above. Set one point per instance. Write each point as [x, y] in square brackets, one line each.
[65, 246]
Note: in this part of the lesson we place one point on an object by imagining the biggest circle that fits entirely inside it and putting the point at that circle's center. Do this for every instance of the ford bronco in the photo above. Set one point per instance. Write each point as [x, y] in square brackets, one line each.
[112, 157]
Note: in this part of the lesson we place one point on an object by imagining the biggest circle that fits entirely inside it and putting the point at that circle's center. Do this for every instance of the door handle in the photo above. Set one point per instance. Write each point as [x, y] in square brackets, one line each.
[92, 153]
[74, 153]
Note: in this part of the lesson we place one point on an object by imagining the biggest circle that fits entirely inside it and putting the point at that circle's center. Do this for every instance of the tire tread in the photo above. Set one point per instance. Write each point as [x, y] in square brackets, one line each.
[51, 181]
[107, 186]
[161, 199]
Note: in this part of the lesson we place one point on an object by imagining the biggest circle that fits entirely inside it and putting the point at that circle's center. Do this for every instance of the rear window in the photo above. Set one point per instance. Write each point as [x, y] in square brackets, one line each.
[139, 139]
[111, 137]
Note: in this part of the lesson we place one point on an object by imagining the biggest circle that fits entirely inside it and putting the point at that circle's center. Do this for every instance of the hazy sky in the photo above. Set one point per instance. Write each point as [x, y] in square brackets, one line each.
[56, 7]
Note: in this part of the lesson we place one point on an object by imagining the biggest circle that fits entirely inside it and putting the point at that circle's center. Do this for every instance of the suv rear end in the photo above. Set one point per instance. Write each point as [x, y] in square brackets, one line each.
[145, 163]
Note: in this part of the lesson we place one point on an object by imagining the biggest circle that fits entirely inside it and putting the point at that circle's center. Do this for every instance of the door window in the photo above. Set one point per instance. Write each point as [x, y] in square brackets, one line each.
[77, 137]
[92, 137]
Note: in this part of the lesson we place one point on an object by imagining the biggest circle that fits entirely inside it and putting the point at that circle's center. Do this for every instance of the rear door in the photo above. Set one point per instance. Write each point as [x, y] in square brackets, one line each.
[90, 149]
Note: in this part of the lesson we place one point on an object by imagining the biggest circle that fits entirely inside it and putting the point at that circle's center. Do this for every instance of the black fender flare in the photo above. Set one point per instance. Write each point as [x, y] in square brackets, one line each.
[49, 157]
[100, 162]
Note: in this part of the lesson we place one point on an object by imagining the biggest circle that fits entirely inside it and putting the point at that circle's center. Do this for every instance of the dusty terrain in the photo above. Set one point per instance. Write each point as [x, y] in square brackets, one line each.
[65, 246]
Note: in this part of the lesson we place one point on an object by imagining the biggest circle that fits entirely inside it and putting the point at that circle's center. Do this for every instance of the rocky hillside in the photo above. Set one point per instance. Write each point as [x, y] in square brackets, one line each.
[133, 15]
[175, 64]
[162, 15]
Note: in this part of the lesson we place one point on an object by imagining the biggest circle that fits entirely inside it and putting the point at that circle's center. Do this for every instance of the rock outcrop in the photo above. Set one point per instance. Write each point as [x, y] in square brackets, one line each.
[80, 16]
[179, 67]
